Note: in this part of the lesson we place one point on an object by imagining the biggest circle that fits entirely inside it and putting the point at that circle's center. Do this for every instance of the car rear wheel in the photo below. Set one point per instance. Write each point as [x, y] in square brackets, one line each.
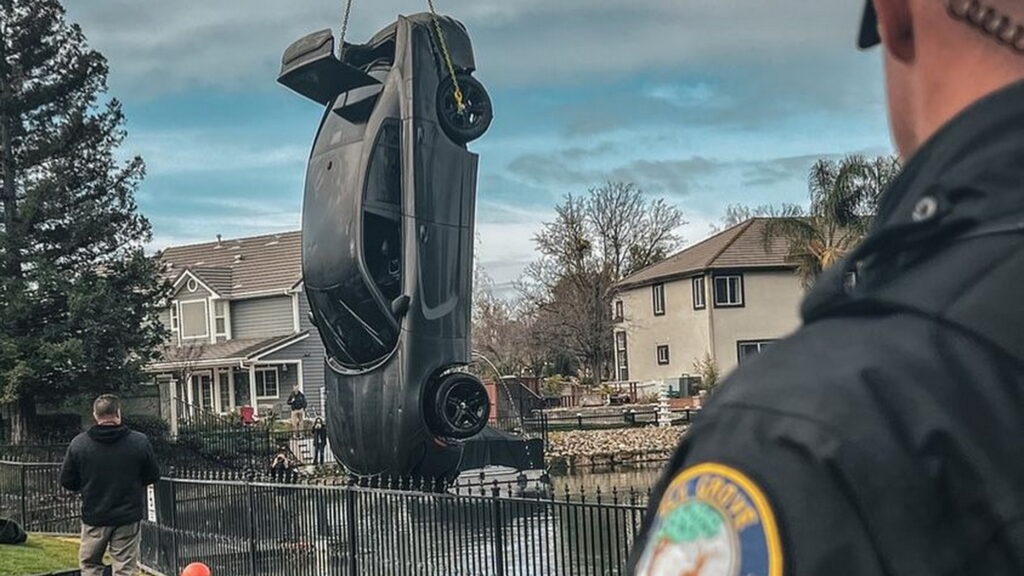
[460, 406]
[474, 119]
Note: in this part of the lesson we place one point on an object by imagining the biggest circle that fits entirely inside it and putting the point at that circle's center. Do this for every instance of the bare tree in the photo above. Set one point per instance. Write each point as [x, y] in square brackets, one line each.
[594, 242]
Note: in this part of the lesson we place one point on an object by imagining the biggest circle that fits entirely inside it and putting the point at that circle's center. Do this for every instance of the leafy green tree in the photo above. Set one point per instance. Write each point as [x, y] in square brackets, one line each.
[77, 293]
[844, 197]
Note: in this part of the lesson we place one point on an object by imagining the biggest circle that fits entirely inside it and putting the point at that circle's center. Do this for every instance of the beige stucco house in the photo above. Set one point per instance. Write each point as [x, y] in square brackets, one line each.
[728, 297]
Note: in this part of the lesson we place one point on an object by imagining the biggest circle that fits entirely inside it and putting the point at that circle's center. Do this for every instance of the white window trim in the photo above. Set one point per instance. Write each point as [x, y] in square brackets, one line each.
[226, 316]
[205, 303]
[173, 317]
[296, 327]
[658, 349]
[656, 291]
[277, 381]
[699, 287]
[739, 290]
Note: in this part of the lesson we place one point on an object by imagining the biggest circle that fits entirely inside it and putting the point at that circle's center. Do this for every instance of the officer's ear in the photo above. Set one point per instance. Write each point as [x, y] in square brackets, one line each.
[896, 28]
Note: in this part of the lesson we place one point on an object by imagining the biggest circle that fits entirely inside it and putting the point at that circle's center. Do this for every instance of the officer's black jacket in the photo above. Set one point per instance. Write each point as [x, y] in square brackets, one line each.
[888, 432]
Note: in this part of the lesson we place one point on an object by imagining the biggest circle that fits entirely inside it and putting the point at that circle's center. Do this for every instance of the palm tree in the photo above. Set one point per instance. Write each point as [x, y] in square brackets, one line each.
[844, 198]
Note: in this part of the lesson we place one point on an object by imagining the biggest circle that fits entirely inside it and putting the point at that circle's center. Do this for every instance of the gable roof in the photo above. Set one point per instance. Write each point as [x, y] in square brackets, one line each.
[240, 267]
[737, 248]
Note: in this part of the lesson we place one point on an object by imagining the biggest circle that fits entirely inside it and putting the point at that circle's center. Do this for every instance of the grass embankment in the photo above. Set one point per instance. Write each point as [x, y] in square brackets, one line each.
[40, 555]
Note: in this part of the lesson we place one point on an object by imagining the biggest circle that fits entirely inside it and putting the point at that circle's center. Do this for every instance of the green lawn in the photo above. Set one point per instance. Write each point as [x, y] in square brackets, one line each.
[41, 554]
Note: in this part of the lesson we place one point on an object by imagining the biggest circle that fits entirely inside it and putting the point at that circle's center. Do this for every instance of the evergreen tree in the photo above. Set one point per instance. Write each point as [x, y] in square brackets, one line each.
[77, 293]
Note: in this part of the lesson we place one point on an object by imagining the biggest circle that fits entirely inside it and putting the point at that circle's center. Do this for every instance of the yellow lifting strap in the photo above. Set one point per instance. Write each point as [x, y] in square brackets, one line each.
[457, 92]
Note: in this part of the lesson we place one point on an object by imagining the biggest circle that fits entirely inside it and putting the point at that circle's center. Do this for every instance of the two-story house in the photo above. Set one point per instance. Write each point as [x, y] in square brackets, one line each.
[727, 297]
[240, 333]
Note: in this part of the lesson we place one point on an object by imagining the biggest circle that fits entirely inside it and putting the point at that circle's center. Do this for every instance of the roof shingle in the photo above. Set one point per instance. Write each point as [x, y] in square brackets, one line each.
[241, 267]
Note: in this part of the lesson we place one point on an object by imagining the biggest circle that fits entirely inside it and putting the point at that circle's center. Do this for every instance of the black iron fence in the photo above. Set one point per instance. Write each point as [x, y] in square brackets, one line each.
[222, 441]
[252, 526]
[31, 494]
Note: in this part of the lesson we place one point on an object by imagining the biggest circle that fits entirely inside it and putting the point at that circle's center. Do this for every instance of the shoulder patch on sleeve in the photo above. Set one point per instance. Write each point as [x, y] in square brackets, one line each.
[713, 520]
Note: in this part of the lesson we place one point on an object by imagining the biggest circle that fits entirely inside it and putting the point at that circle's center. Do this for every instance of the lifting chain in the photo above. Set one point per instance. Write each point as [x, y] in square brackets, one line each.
[457, 92]
[344, 29]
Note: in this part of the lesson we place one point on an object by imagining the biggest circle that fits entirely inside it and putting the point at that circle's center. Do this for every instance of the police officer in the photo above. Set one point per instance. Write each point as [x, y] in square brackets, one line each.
[887, 435]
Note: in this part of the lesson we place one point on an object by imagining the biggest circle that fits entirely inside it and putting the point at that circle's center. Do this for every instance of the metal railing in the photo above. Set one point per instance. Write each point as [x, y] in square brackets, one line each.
[252, 527]
[256, 525]
[31, 494]
[222, 441]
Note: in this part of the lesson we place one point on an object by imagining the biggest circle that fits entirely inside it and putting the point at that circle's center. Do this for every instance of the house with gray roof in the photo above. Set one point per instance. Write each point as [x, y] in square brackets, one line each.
[727, 297]
[240, 333]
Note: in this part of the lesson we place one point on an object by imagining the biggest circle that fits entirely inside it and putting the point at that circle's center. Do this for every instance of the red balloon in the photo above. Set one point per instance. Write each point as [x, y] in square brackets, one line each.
[196, 569]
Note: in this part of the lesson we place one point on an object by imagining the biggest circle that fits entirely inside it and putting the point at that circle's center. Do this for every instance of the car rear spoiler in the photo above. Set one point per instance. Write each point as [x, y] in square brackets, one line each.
[310, 68]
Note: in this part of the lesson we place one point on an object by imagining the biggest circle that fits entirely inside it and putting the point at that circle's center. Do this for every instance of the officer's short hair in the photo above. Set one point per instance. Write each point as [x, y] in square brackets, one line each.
[106, 405]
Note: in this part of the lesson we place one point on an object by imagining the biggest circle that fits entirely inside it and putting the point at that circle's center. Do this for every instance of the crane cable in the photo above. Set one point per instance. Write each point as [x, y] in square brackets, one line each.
[344, 28]
[457, 92]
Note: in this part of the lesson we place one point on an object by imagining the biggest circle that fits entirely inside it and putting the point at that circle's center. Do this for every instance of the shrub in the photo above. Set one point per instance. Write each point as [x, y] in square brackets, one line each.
[152, 426]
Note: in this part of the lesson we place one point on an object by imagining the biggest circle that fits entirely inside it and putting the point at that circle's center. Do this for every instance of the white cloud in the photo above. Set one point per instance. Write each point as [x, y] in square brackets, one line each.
[191, 151]
[159, 47]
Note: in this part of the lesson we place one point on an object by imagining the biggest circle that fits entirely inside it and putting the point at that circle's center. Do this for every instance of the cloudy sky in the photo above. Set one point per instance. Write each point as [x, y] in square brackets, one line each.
[701, 102]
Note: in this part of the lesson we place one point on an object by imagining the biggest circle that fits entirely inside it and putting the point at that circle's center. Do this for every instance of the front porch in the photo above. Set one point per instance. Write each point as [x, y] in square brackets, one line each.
[226, 377]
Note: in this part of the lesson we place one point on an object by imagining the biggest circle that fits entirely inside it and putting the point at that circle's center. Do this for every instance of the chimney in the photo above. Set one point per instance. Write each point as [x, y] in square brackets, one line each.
[218, 240]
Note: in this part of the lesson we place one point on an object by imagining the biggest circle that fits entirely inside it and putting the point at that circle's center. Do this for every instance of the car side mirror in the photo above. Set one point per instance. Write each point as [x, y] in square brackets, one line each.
[400, 306]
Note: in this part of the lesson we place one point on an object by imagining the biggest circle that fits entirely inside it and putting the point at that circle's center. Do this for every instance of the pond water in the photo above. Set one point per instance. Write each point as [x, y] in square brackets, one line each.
[622, 479]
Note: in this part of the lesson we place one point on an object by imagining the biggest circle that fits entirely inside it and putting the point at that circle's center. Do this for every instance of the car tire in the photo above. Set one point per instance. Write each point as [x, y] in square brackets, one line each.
[470, 124]
[459, 406]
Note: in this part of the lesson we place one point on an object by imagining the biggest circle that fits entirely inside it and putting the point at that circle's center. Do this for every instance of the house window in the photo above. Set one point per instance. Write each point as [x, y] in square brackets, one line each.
[663, 354]
[621, 360]
[618, 310]
[748, 350]
[174, 318]
[658, 291]
[220, 318]
[699, 298]
[194, 323]
[728, 291]
[192, 285]
[266, 384]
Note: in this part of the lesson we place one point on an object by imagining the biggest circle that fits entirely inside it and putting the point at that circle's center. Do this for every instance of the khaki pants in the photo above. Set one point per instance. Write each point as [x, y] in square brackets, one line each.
[297, 419]
[123, 542]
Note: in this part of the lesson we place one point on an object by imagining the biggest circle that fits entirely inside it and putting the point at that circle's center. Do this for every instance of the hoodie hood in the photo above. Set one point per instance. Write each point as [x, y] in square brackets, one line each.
[108, 434]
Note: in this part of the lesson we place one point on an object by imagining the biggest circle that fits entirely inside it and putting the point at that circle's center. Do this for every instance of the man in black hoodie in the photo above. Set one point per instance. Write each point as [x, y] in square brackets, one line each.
[110, 466]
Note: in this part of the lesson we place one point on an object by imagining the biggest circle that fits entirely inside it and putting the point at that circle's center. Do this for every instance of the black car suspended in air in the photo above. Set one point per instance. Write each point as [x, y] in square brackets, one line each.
[388, 241]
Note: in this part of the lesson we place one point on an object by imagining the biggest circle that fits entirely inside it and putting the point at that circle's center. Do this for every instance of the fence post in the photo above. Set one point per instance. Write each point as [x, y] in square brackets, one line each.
[499, 539]
[173, 485]
[24, 496]
[252, 523]
[350, 524]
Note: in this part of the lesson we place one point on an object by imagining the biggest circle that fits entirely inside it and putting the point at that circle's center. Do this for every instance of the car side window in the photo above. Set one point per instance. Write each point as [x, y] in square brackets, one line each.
[382, 211]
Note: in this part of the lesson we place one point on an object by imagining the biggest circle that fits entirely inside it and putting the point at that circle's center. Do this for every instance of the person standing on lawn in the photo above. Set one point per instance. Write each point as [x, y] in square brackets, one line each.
[110, 466]
[297, 402]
